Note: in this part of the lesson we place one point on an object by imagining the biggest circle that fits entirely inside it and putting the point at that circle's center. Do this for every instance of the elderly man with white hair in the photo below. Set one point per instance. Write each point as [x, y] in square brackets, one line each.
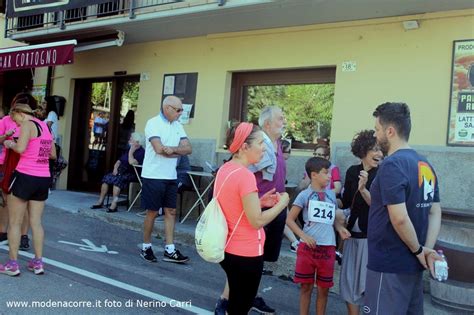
[123, 172]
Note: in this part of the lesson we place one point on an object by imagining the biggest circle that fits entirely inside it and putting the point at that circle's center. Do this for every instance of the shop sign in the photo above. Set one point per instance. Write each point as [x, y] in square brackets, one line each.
[52, 54]
[461, 102]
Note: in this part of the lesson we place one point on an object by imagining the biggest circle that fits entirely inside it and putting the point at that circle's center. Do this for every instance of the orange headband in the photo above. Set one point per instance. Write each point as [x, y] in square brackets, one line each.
[241, 133]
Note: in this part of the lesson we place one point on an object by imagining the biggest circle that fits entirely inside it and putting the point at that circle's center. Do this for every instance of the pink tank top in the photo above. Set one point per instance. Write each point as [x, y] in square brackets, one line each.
[34, 160]
[6, 124]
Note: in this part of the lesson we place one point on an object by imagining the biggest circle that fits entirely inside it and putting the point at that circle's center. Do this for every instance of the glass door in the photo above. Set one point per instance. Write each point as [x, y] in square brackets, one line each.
[97, 138]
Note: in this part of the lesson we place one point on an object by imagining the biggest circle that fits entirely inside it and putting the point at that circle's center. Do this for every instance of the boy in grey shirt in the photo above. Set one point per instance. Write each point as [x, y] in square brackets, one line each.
[316, 253]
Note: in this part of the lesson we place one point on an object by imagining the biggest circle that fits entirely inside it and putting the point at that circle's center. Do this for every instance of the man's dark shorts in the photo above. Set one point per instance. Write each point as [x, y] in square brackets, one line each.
[274, 237]
[159, 193]
[393, 293]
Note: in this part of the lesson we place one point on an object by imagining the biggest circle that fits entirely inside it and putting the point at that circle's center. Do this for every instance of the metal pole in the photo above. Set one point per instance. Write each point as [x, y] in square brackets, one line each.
[62, 23]
[6, 21]
[131, 14]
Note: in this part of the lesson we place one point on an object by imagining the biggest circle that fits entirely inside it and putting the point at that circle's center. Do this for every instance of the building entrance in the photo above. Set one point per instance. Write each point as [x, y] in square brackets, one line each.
[103, 119]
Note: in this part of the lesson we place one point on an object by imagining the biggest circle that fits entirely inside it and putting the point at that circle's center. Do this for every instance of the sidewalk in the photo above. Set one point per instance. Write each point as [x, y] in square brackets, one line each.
[79, 202]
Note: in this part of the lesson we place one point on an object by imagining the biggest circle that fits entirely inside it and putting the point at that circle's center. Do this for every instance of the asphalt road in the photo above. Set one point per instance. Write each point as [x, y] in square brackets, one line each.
[94, 267]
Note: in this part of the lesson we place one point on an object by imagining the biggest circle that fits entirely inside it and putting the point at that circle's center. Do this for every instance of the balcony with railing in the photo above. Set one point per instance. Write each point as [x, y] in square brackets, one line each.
[63, 19]
[154, 20]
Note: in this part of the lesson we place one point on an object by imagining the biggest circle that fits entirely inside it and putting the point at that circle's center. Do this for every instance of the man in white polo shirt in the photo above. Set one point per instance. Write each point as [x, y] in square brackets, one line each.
[166, 140]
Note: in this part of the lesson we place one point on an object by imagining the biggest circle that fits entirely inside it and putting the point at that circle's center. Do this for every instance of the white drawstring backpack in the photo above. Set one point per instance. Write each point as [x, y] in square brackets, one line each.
[211, 231]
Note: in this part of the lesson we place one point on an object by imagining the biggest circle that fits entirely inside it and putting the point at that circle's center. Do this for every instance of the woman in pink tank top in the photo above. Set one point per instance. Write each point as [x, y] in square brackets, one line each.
[236, 191]
[8, 162]
[28, 186]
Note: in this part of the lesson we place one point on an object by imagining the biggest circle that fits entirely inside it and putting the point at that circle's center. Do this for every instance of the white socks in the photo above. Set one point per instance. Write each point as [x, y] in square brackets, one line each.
[170, 248]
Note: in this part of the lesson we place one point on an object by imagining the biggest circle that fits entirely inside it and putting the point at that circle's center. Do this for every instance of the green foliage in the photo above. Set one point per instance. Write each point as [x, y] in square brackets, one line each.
[307, 108]
[99, 95]
[130, 92]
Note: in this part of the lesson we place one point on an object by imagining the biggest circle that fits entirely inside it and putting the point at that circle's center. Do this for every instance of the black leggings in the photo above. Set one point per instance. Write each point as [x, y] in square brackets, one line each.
[274, 236]
[243, 274]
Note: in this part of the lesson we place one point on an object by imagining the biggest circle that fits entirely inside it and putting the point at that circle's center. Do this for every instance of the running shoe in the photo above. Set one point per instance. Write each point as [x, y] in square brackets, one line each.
[294, 246]
[175, 257]
[24, 242]
[221, 306]
[338, 257]
[148, 255]
[36, 265]
[261, 307]
[3, 238]
[11, 268]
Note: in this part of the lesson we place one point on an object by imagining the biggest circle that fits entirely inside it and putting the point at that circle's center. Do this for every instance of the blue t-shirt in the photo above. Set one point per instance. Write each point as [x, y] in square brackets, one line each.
[403, 177]
[323, 233]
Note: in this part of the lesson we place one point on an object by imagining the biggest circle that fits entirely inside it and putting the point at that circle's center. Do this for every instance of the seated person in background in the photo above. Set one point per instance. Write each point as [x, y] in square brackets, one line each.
[324, 151]
[123, 172]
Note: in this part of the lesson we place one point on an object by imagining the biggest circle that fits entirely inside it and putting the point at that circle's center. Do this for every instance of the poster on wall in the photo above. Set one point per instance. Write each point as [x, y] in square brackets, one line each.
[184, 118]
[183, 86]
[461, 101]
[39, 92]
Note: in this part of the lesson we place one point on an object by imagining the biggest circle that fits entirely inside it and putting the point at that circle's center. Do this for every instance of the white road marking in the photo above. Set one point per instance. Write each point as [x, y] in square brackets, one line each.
[90, 247]
[112, 282]
[266, 289]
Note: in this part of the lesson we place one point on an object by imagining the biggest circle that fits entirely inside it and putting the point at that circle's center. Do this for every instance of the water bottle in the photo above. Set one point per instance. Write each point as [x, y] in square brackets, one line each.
[441, 268]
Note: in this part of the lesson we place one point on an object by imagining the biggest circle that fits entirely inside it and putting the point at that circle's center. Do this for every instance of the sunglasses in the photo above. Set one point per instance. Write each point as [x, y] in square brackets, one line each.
[319, 155]
[178, 110]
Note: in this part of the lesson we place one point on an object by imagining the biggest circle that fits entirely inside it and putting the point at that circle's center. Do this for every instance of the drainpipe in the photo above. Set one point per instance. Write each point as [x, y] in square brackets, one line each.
[49, 81]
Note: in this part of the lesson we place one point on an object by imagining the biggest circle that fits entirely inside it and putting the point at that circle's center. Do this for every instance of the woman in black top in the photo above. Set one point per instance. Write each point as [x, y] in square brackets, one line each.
[356, 197]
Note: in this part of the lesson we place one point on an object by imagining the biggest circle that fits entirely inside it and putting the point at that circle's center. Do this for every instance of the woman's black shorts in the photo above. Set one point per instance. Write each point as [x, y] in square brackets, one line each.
[28, 187]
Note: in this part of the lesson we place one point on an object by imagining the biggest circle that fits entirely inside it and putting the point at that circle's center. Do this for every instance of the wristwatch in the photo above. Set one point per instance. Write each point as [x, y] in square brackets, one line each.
[418, 251]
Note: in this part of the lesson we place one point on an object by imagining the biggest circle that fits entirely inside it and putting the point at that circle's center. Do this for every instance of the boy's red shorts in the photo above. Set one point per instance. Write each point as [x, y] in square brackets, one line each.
[318, 261]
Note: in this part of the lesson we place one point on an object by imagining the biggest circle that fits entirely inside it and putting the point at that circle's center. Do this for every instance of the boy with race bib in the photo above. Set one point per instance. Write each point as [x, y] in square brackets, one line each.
[316, 252]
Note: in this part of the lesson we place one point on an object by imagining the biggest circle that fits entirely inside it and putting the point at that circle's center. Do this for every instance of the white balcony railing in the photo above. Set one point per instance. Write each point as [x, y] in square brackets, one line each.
[62, 18]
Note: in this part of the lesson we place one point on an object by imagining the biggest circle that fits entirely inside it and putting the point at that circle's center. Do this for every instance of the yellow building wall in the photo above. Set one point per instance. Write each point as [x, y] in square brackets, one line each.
[392, 65]
[5, 42]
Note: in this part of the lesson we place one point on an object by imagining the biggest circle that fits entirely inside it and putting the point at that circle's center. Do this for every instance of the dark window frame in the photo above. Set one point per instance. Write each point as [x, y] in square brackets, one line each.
[238, 106]
[240, 80]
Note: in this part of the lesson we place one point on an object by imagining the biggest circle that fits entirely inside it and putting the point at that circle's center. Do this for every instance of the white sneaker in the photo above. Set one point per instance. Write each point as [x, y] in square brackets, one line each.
[294, 246]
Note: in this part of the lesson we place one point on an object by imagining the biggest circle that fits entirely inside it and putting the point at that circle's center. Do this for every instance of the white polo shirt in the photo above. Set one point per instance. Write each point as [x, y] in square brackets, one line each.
[157, 166]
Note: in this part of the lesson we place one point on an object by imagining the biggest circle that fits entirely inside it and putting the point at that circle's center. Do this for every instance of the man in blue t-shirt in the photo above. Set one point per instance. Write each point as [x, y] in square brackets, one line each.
[404, 219]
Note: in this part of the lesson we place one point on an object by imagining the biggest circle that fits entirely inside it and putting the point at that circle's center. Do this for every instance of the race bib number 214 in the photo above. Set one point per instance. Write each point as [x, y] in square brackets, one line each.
[321, 212]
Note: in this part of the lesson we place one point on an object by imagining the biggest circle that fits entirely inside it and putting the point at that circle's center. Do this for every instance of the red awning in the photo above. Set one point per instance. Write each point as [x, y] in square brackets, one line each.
[35, 56]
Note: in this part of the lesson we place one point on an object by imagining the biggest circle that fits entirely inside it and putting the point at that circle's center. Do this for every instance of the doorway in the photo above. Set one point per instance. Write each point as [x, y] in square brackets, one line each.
[97, 137]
